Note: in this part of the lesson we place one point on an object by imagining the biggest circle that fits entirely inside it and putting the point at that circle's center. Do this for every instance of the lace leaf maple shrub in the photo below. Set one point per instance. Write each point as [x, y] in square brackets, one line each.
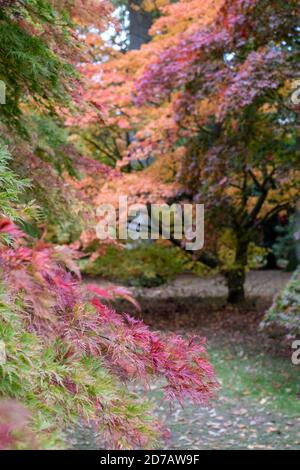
[14, 426]
[68, 356]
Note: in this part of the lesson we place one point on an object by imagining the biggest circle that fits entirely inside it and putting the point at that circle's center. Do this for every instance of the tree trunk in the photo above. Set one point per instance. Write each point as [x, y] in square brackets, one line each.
[140, 21]
[235, 280]
[236, 276]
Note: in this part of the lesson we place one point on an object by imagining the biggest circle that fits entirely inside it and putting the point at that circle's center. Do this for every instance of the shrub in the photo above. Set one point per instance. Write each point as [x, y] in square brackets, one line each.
[153, 264]
[285, 311]
[147, 265]
[15, 432]
[68, 357]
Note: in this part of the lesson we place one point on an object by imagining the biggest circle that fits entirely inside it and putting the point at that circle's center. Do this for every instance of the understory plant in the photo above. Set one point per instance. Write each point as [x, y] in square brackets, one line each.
[286, 308]
[149, 264]
[144, 265]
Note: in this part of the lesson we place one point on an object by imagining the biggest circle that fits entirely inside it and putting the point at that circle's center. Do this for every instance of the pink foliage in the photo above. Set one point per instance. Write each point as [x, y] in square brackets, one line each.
[195, 65]
[259, 73]
[178, 65]
[14, 421]
[56, 305]
[112, 292]
[134, 352]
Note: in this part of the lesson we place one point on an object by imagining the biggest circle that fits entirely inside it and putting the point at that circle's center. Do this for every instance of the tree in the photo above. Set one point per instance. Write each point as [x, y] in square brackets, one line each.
[65, 354]
[40, 47]
[140, 21]
[230, 80]
[213, 88]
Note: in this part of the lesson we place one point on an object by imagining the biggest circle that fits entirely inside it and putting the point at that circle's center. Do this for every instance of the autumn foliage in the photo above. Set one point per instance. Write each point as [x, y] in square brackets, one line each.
[208, 101]
[89, 351]
[201, 113]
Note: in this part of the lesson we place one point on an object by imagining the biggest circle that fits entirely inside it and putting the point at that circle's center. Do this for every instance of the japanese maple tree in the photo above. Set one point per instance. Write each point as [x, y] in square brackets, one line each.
[209, 99]
[66, 356]
[229, 83]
